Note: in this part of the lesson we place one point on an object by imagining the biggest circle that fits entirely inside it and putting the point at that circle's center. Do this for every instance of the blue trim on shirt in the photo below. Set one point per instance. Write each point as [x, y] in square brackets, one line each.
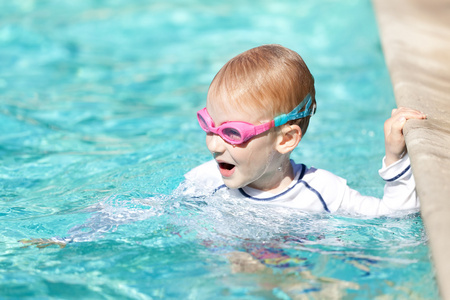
[276, 196]
[318, 195]
[303, 172]
[218, 188]
[399, 175]
[286, 191]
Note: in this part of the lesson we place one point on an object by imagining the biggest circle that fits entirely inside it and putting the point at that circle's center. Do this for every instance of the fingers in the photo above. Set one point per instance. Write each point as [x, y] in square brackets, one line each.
[393, 131]
[398, 118]
[408, 113]
[394, 134]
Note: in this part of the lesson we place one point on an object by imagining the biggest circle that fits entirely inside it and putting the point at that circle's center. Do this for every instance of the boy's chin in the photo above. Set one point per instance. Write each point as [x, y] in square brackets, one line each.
[232, 184]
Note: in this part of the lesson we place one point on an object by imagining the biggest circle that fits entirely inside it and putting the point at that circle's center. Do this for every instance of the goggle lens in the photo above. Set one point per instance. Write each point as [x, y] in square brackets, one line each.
[232, 133]
[203, 124]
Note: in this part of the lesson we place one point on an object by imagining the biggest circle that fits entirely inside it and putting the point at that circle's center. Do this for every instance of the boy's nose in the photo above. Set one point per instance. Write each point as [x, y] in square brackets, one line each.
[215, 143]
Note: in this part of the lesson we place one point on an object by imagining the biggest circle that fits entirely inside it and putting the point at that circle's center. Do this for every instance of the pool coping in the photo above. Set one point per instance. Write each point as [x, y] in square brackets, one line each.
[415, 37]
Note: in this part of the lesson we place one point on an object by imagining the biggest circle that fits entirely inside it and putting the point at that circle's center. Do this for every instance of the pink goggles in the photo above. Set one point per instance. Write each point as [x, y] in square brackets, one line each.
[237, 132]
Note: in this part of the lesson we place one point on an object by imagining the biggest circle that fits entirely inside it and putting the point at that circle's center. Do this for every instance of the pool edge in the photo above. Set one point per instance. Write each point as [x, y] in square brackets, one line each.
[415, 36]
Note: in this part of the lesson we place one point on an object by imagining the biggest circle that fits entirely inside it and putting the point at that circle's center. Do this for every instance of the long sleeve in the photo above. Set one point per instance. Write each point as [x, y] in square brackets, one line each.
[399, 193]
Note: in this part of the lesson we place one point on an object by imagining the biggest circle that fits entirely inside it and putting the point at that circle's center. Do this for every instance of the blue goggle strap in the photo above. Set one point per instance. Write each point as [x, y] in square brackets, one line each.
[295, 114]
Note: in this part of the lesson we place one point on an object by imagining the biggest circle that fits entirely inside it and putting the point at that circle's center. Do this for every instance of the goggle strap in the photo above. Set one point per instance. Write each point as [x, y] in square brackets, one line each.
[264, 127]
[283, 119]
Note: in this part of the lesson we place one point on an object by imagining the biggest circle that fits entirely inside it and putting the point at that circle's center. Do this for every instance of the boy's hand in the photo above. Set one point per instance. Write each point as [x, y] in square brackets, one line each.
[393, 132]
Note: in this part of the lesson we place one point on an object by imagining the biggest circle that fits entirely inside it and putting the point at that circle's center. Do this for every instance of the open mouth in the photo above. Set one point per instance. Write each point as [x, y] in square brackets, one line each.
[226, 169]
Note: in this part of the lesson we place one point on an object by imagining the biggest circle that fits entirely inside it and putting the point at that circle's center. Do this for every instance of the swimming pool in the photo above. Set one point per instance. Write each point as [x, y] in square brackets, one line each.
[97, 128]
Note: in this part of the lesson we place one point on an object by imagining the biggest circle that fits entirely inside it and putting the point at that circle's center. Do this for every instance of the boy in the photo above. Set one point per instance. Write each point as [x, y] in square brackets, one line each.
[257, 111]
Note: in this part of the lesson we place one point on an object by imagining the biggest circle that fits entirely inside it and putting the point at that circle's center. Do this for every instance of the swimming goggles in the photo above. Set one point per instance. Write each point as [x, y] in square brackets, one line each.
[237, 132]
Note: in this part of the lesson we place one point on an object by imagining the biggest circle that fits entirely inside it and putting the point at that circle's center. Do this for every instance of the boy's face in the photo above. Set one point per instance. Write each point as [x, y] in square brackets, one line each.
[253, 163]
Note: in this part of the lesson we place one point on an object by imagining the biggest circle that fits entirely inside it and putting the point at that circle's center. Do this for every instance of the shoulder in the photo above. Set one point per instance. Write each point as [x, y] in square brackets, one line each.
[203, 170]
[204, 178]
[328, 186]
[318, 177]
[207, 166]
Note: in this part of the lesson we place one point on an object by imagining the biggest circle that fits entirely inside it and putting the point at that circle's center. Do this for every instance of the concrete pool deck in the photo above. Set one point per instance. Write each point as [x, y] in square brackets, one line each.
[416, 42]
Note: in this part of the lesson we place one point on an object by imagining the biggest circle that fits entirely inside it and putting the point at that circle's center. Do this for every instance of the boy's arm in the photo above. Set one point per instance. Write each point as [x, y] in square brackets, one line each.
[399, 191]
[394, 140]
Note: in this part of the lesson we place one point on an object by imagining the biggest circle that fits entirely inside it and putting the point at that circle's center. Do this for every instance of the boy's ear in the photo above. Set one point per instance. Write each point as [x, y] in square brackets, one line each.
[289, 138]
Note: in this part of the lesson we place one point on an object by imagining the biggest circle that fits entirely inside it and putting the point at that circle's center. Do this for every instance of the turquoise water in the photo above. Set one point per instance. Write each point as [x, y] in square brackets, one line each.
[97, 128]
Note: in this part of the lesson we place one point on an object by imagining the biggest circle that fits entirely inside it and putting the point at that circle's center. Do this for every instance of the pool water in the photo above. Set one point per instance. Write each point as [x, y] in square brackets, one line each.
[97, 128]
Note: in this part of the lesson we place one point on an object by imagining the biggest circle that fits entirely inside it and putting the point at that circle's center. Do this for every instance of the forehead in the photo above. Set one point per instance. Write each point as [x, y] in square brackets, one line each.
[224, 109]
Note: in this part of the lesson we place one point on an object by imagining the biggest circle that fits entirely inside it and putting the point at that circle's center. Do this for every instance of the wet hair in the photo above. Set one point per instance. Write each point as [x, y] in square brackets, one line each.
[269, 79]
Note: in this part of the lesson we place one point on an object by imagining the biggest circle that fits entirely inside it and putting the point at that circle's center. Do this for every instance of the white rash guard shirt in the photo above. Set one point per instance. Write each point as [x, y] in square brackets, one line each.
[317, 190]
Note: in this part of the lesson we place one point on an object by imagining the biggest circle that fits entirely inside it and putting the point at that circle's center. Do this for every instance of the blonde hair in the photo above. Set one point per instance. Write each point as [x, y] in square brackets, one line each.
[269, 79]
